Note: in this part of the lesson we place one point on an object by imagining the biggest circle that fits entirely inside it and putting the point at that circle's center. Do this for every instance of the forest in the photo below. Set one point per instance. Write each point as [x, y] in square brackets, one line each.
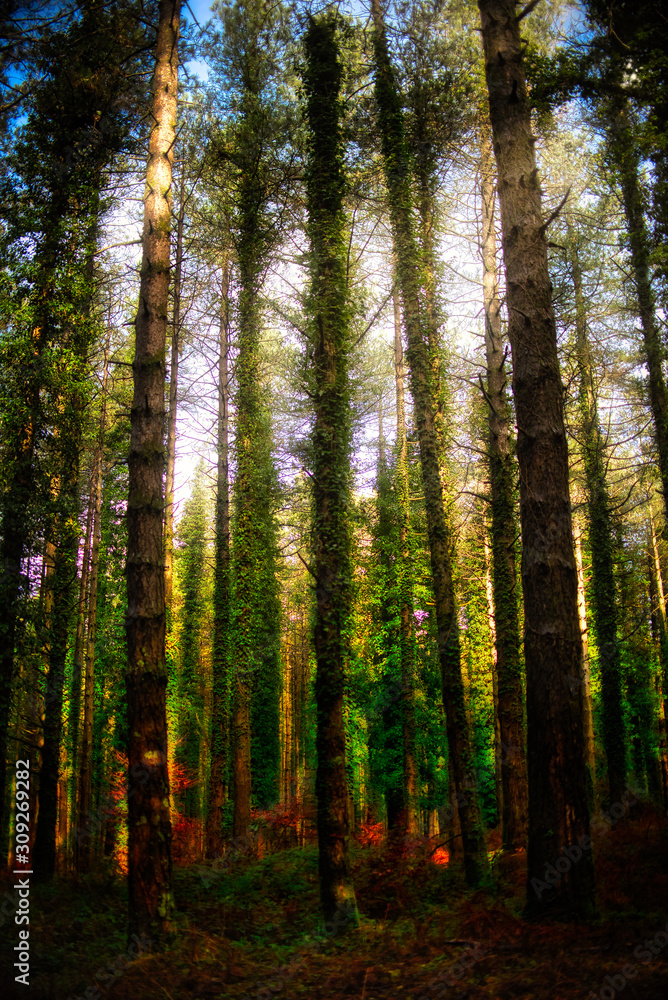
[333, 499]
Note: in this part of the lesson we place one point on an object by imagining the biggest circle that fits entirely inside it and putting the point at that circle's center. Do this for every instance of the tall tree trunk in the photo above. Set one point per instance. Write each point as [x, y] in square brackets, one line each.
[405, 580]
[425, 170]
[558, 804]
[78, 658]
[15, 530]
[149, 824]
[626, 160]
[84, 802]
[604, 587]
[220, 721]
[503, 530]
[256, 680]
[331, 341]
[66, 447]
[660, 636]
[65, 533]
[173, 398]
[390, 721]
[489, 594]
[584, 676]
[419, 358]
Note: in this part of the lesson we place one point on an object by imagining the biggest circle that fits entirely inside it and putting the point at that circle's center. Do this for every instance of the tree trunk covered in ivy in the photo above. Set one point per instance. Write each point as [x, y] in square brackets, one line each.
[585, 671]
[330, 339]
[558, 804]
[256, 680]
[603, 594]
[659, 634]
[389, 726]
[405, 582]
[149, 825]
[246, 541]
[625, 160]
[425, 171]
[192, 568]
[421, 365]
[503, 529]
[220, 720]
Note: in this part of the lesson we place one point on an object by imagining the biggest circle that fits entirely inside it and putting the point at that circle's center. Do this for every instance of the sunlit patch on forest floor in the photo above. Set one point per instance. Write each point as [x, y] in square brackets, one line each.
[251, 931]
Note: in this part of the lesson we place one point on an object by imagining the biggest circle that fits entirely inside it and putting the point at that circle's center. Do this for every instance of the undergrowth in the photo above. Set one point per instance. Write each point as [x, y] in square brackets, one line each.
[251, 928]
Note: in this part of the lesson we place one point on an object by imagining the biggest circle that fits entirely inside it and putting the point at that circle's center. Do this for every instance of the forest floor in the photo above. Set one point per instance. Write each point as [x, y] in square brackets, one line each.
[251, 930]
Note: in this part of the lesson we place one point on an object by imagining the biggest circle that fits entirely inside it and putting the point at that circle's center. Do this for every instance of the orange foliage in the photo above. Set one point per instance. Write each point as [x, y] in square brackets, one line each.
[441, 856]
[370, 834]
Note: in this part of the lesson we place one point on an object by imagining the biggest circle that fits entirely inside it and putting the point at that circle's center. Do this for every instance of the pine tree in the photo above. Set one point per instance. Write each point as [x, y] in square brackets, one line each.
[419, 358]
[503, 530]
[558, 802]
[149, 825]
[222, 608]
[601, 538]
[191, 538]
[80, 118]
[251, 151]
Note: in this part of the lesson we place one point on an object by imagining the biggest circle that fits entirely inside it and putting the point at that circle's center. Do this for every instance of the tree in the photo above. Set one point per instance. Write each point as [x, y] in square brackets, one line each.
[624, 158]
[330, 342]
[418, 355]
[173, 394]
[601, 540]
[558, 803]
[251, 152]
[222, 606]
[149, 825]
[80, 118]
[405, 586]
[84, 776]
[191, 536]
[503, 528]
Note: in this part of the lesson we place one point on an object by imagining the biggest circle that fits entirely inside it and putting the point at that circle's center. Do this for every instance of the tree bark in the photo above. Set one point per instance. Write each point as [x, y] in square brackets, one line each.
[420, 363]
[503, 531]
[558, 804]
[149, 824]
